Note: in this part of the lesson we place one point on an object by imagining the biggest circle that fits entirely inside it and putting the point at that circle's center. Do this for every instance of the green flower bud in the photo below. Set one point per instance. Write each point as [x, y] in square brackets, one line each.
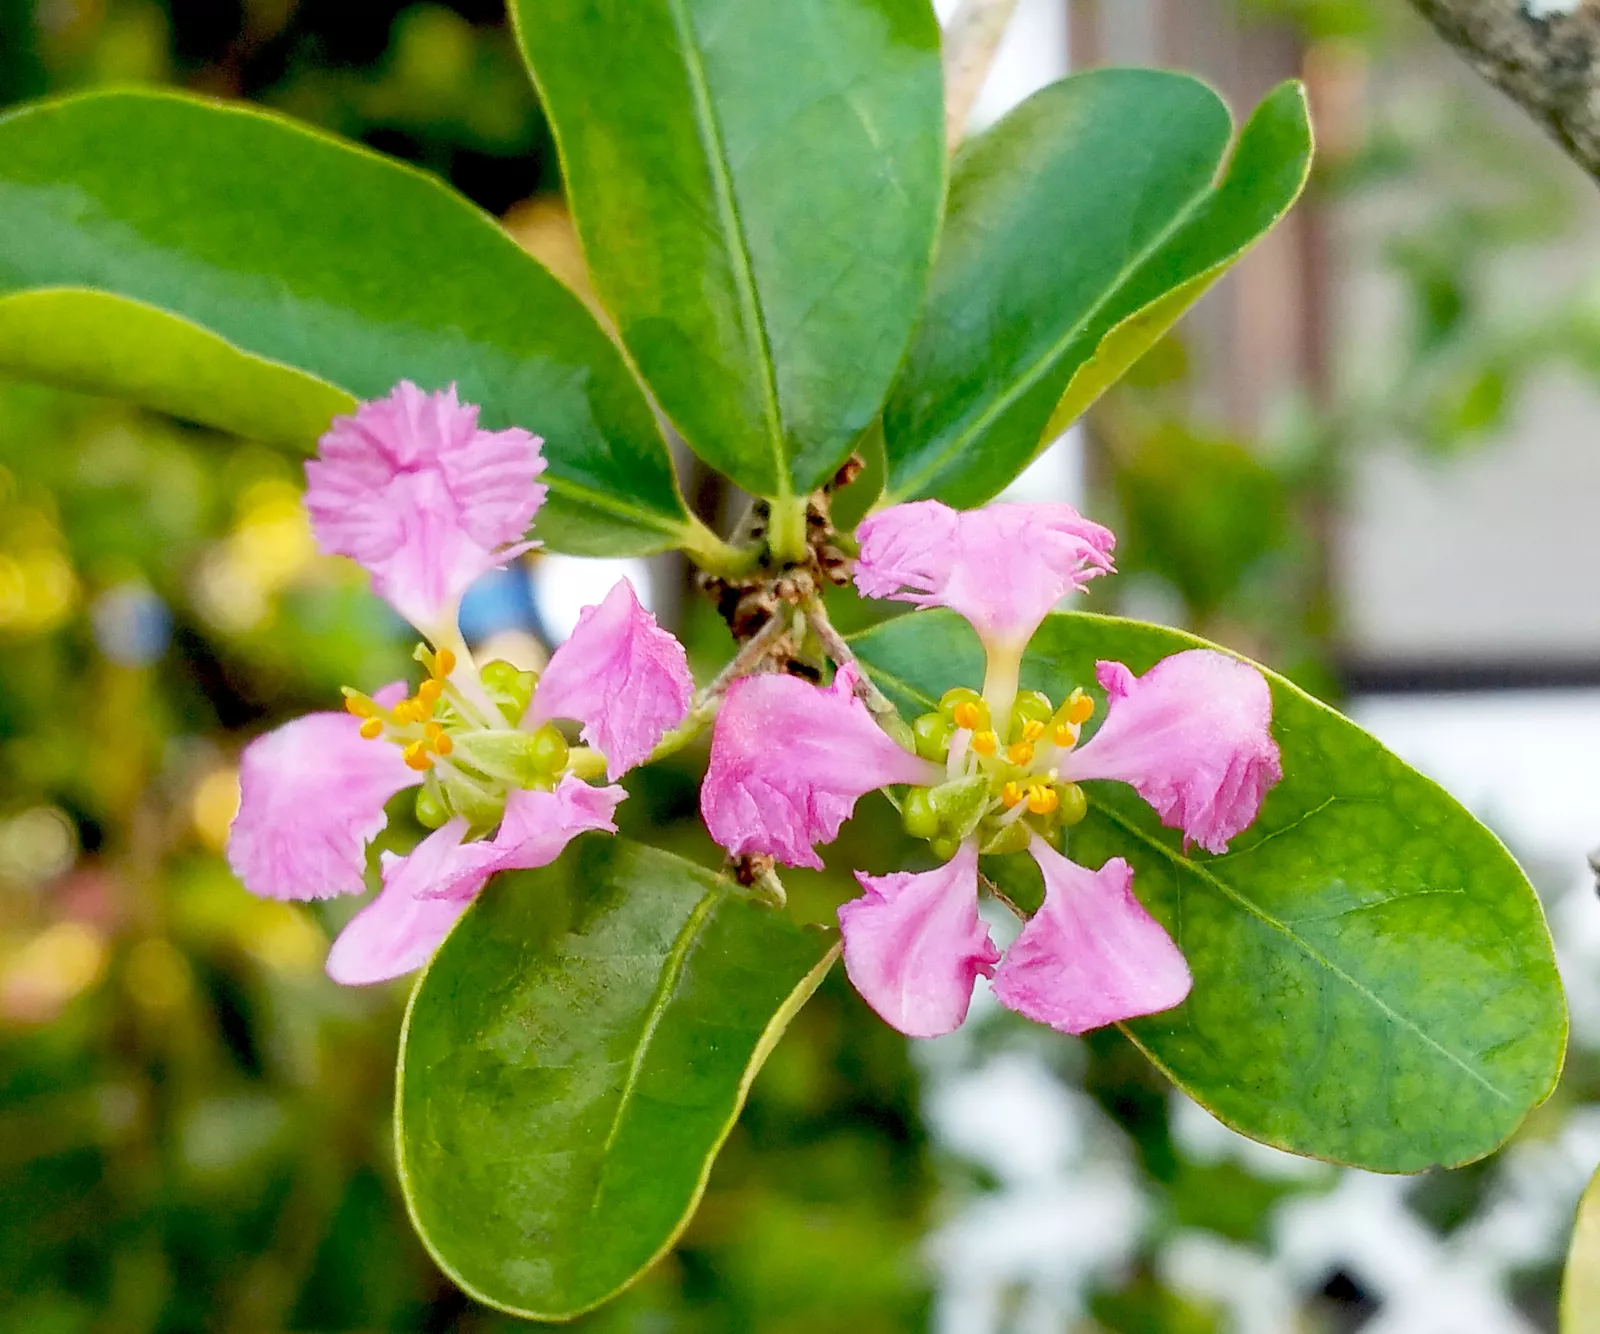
[961, 804]
[918, 813]
[945, 848]
[1013, 838]
[510, 687]
[550, 750]
[932, 735]
[1031, 707]
[1074, 805]
[431, 809]
[480, 809]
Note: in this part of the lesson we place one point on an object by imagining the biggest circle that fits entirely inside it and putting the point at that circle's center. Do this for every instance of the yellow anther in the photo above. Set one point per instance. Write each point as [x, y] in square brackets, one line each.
[443, 745]
[429, 691]
[968, 715]
[433, 731]
[406, 711]
[372, 729]
[1011, 794]
[1020, 754]
[359, 705]
[1041, 799]
[1032, 730]
[985, 743]
[416, 756]
[1080, 708]
[444, 662]
[1064, 735]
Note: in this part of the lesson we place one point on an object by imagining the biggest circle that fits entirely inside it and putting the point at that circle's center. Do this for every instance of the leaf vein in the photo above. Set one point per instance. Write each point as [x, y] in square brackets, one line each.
[1284, 928]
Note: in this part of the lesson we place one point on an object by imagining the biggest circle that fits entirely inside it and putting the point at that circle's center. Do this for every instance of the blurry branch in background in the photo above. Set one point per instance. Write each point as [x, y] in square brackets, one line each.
[971, 39]
[1544, 54]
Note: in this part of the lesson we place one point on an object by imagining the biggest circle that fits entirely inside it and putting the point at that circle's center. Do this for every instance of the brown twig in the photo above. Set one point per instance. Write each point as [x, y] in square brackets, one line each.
[1543, 54]
[971, 39]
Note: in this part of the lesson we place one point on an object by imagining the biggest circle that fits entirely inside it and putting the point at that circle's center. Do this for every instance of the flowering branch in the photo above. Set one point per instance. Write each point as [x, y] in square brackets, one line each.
[1543, 54]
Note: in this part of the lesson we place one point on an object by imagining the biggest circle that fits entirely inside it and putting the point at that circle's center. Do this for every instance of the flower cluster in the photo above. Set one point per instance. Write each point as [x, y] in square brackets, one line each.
[996, 771]
[413, 489]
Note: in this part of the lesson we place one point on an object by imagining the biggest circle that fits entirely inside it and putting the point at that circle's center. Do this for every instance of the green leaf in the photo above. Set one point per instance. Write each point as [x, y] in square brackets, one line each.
[1079, 229]
[573, 1059]
[1580, 1286]
[757, 186]
[1374, 980]
[196, 256]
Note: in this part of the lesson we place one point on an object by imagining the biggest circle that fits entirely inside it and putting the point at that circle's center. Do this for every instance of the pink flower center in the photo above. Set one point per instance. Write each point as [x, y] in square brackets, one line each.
[1003, 784]
[462, 729]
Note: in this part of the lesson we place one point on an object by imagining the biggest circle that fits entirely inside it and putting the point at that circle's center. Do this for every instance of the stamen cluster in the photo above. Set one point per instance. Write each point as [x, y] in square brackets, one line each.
[466, 736]
[1002, 784]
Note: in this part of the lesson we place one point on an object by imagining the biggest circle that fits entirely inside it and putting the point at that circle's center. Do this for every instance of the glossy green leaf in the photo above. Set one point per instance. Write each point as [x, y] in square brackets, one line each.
[757, 186]
[573, 1059]
[1079, 229]
[1580, 1286]
[1374, 980]
[239, 245]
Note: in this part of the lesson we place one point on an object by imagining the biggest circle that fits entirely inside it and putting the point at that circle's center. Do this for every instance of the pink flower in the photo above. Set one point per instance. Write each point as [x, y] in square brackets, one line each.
[1002, 567]
[789, 761]
[619, 674]
[311, 797]
[1091, 955]
[913, 944]
[425, 893]
[1193, 736]
[411, 488]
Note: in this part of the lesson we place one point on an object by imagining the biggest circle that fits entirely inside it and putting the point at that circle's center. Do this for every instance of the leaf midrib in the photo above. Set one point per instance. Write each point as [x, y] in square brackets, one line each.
[671, 971]
[732, 225]
[1235, 897]
[1041, 366]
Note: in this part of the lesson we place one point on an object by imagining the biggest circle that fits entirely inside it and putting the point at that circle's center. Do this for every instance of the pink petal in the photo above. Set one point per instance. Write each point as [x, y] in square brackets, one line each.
[619, 674]
[913, 944]
[534, 830]
[311, 797]
[1194, 737]
[538, 825]
[411, 488]
[400, 929]
[1003, 567]
[789, 760]
[1091, 955]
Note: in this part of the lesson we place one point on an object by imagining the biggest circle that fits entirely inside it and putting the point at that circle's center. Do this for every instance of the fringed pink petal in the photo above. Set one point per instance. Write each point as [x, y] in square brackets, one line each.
[1193, 735]
[619, 674]
[1091, 955]
[311, 797]
[914, 945]
[400, 929]
[539, 825]
[1003, 567]
[411, 488]
[789, 760]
